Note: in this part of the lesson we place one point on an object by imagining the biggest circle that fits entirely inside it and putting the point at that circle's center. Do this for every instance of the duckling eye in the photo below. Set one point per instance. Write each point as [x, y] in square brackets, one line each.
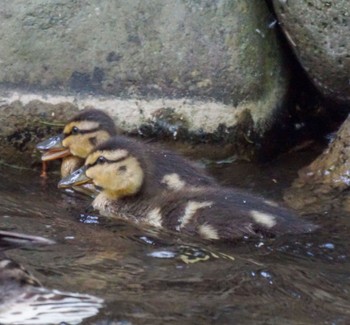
[101, 160]
[75, 130]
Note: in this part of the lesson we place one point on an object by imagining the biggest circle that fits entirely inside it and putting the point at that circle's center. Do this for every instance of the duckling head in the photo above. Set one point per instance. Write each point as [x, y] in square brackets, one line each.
[80, 135]
[87, 130]
[112, 168]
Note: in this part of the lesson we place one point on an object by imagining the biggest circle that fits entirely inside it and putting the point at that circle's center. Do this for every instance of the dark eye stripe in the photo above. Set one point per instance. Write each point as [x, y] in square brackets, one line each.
[106, 161]
[81, 132]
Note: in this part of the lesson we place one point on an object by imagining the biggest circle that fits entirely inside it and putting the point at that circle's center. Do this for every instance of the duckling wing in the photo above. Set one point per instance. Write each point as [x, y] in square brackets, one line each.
[40, 306]
[227, 214]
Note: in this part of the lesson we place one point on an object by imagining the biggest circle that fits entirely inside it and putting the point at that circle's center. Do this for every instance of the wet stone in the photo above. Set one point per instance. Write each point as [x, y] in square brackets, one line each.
[325, 182]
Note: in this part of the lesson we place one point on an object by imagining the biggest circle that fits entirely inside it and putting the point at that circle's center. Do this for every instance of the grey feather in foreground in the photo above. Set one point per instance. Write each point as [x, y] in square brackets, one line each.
[36, 305]
[10, 239]
[24, 301]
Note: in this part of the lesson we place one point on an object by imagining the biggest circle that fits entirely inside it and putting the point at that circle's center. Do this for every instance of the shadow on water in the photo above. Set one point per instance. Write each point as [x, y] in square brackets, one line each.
[151, 278]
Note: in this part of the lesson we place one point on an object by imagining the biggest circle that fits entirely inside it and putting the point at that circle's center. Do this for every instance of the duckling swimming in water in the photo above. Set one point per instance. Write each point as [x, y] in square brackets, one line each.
[80, 136]
[23, 300]
[131, 189]
[92, 127]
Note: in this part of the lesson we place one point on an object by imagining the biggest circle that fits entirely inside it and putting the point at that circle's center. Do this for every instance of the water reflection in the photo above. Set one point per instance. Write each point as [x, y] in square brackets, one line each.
[147, 278]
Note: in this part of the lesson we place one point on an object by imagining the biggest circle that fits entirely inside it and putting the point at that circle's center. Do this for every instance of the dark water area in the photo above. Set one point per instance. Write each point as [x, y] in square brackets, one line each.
[147, 277]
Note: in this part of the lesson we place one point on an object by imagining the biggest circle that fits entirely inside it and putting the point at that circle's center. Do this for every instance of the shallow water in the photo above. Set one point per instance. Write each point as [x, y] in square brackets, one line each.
[147, 278]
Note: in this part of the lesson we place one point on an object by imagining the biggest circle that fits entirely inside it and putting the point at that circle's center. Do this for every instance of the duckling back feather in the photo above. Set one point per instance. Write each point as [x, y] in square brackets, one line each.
[212, 213]
[163, 169]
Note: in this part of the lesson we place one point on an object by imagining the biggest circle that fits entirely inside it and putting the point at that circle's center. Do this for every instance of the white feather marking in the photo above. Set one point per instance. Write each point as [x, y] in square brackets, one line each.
[173, 181]
[265, 219]
[154, 218]
[208, 232]
[271, 203]
[190, 210]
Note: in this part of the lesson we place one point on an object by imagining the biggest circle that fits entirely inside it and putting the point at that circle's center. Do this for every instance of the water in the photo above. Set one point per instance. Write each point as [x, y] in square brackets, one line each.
[147, 277]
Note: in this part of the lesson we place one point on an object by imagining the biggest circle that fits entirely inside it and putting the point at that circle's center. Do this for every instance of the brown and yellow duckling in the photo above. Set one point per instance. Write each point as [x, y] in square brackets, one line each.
[23, 300]
[129, 182]
[92, 127]
[80, 136]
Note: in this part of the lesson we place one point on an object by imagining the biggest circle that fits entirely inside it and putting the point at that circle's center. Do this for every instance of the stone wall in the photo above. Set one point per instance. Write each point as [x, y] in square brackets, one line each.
[197, 69]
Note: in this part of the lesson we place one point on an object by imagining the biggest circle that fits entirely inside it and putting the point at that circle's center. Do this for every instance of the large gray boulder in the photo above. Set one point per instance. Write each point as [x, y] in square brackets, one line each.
[319, 33]
[206, 69]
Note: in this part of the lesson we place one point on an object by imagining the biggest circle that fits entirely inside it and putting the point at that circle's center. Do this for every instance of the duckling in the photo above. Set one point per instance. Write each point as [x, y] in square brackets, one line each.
[80, 135]
[91, 127]
[129, 183]
[23, 300]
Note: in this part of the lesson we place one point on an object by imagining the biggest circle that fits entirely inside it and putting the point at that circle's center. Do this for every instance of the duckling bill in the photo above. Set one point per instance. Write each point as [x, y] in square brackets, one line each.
[52, 148]
[126, 178]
